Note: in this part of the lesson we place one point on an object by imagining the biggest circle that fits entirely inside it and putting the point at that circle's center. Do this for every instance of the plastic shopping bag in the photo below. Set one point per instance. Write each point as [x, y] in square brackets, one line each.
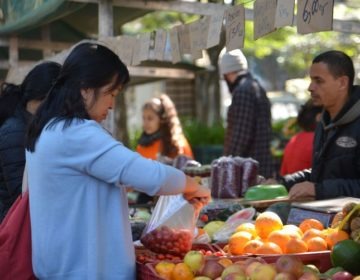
[171, 226]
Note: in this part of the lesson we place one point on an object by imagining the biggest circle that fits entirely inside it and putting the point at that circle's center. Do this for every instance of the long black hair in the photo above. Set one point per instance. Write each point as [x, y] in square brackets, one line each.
[35, 86]
[88, 66]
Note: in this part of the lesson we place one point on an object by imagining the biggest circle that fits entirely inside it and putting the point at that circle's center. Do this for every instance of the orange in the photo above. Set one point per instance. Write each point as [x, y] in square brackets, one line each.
[268, 248]
[279, 237]
[293, 230]
[237, 242]
[296, 245]
[310, 233]
[251, 246]
[316, 244]
[182, 272]
[266, 223]
[335, 236]
[249, 227]
[165, 269]
[310, 223]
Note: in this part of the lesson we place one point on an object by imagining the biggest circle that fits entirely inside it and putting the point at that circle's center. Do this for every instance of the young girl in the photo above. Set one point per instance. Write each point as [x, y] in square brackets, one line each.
[162, 133]
[17, 105]
[77, 171]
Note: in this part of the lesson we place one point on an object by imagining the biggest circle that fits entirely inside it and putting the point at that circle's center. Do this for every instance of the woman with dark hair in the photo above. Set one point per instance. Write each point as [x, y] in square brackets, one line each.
[77, 172]
[17, 104]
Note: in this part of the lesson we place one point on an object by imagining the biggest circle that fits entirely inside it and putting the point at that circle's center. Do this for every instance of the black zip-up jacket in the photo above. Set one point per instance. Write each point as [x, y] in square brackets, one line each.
[12, 158]
[336, 155]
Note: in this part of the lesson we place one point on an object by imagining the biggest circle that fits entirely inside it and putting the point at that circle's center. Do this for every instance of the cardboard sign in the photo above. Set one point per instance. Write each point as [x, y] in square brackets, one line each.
[160, 43]
[144, 41]
[184, 42]
[175, 48]
[264, 17]
[215, 25]
[136, 52]
[314, 16]
[235, 27]
[284, 13]
[198, 36]
[125, 48]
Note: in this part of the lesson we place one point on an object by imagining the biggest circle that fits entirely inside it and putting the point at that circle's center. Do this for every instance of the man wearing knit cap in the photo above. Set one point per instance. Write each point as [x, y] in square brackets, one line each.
[248, 132]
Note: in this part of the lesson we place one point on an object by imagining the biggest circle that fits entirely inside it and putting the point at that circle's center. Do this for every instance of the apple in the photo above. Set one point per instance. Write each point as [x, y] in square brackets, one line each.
[285, 276]
[291, 264]
[234, 276]
[211, 269]
[195, 260]
[201, 278]
[251, 267]
[233, 268]
[307, 275]
[342, 275]
[263, 272]
[311, 268]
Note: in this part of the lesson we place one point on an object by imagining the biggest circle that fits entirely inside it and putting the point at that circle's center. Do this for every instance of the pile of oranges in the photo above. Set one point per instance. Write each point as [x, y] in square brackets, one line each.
[268, 235]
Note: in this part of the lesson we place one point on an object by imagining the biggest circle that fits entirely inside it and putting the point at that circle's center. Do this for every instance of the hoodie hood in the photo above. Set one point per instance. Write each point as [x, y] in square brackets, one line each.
[348, 113]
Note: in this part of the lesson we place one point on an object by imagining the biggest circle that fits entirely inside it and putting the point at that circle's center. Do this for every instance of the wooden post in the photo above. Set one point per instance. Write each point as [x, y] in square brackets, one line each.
[106, 29]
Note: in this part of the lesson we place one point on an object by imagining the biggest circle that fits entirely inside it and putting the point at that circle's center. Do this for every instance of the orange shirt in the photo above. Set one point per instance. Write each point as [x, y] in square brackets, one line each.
[153, 150]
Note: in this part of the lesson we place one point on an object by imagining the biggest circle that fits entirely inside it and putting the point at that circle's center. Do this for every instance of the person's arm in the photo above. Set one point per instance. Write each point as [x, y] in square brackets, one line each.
[242, 114]
[291, 179]
[337, 187]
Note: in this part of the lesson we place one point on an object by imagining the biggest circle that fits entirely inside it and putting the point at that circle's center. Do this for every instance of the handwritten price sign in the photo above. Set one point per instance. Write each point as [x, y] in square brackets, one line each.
[314, 16]
[235, 27]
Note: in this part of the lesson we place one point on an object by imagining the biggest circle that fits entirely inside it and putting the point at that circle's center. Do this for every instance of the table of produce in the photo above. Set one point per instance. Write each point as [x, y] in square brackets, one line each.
[249, 245]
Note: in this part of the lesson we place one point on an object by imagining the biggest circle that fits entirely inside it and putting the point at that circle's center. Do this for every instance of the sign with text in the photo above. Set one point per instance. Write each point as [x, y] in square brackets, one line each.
[235, 27]
[160, 43]
[314, 16]
[215, 25]
[284, 13]
[175, 48]
[264, 17]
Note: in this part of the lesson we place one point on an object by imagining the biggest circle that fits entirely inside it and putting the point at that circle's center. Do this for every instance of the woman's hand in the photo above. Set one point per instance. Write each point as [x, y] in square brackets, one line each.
[196, 194]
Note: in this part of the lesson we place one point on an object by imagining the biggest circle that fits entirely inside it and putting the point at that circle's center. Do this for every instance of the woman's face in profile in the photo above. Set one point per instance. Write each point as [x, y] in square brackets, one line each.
[99, 106]
[151, 121]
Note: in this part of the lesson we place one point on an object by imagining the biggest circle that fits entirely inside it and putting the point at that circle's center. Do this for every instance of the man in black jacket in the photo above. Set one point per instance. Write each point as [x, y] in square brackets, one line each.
[336, 156]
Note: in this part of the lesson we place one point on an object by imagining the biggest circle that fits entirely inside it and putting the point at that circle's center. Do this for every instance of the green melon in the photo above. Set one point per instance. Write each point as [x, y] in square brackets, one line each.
[346, 254]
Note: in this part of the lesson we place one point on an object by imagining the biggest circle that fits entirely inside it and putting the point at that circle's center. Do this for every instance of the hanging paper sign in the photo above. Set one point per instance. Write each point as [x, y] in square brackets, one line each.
[144, 41]
[235, 27]
[314, 16]
[184, 35]
[175, 48]
[136, 52]
[284, 13]
[264, 17]
[167, 51]
[125, 48]
[152, 45]
[160, 43]
[215, 25]
[198, 36]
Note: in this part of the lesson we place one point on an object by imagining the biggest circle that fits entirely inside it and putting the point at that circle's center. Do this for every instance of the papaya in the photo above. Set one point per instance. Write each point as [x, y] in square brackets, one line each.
[346, 254]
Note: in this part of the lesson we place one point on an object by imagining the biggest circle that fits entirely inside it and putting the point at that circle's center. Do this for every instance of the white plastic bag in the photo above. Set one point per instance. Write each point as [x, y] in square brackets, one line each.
[170, 229]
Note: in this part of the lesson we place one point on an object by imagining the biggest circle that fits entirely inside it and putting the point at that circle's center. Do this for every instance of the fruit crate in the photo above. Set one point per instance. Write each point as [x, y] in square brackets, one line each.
[145, 269]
